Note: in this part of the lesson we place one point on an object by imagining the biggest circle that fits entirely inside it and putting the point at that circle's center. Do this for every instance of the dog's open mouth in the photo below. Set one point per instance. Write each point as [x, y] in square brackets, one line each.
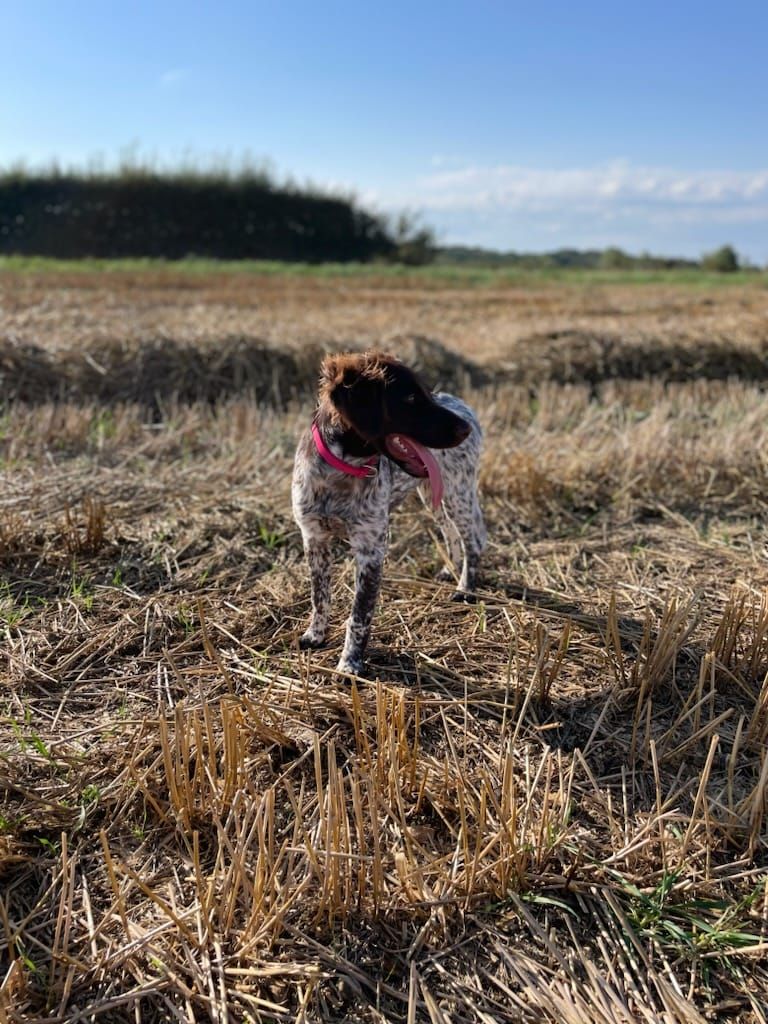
[417, 460]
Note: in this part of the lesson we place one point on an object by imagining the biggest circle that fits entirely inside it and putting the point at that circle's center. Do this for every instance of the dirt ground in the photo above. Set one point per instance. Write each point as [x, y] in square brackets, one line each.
[551, 805]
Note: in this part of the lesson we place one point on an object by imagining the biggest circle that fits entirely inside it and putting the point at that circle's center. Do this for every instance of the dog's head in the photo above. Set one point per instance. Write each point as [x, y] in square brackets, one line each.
[379, 398]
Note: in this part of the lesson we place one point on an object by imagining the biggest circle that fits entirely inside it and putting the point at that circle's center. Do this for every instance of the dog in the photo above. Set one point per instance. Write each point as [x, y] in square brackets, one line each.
[377, 434]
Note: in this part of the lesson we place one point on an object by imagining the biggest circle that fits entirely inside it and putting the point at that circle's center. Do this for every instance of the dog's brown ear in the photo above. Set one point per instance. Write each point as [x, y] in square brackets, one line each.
[352, 390]
[331, 374]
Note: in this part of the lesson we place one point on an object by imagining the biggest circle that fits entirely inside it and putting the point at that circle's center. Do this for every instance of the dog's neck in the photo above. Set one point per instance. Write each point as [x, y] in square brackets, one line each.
[342, 440]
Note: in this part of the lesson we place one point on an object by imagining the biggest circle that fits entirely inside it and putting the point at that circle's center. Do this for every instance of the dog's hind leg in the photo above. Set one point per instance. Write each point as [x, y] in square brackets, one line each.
[462, 509]
[453, 548]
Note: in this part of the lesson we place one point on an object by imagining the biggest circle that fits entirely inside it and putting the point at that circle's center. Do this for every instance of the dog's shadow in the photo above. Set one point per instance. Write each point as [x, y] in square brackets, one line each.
[567, 719]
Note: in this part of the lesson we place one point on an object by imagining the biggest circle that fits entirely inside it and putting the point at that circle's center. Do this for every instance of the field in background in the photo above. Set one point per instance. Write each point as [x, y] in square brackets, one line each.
[434, 274]
[549, 806]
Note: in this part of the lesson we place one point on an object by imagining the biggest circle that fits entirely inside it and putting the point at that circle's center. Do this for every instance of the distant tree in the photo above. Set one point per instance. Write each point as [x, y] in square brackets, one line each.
[415, 245]
[589, 259]
[615, 259]
[571, 258]
[723, 260]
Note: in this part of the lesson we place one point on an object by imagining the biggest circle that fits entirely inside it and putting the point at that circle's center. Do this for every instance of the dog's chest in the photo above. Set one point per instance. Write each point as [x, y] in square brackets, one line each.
[336, 502]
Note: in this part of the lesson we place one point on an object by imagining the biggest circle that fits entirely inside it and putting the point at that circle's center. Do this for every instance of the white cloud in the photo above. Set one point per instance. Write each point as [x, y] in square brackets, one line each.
[662, 209]
[510, 186]
[446, 160]
[172, 77]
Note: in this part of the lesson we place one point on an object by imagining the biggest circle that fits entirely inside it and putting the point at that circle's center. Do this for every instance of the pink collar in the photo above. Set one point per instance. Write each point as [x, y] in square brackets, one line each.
[367, 470]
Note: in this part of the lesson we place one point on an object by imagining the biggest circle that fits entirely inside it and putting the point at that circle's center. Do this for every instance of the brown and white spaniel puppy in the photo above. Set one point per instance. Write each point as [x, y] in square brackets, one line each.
[377, 434]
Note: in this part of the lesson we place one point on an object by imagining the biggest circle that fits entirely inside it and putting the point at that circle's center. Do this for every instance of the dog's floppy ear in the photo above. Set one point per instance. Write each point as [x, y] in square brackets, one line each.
[352, 389]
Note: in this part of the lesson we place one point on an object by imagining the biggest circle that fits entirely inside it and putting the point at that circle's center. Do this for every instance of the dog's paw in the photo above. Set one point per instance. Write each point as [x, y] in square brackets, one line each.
[350, 666]
[464, 597]
[311, 641]
[444, 575]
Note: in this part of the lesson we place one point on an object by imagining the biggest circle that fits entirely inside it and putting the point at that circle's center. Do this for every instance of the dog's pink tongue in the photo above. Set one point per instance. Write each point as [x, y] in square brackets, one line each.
[420, 462]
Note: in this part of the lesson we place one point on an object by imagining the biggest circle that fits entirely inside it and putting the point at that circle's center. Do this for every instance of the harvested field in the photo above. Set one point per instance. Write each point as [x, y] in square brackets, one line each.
[549, 806]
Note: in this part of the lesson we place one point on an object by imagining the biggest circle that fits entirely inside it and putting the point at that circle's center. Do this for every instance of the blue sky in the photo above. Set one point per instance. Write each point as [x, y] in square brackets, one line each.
[525, 126]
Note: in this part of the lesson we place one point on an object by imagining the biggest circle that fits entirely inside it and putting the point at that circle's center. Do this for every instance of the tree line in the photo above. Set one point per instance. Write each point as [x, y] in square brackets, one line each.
[141, 212]
[217, 215]
[722, 260]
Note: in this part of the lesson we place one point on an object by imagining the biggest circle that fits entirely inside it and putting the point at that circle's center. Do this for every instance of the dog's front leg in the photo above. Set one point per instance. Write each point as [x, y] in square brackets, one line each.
[318, 552]
[369, 563]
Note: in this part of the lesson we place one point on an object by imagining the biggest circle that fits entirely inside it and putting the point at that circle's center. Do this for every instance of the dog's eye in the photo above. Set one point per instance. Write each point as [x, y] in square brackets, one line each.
[410, 399]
